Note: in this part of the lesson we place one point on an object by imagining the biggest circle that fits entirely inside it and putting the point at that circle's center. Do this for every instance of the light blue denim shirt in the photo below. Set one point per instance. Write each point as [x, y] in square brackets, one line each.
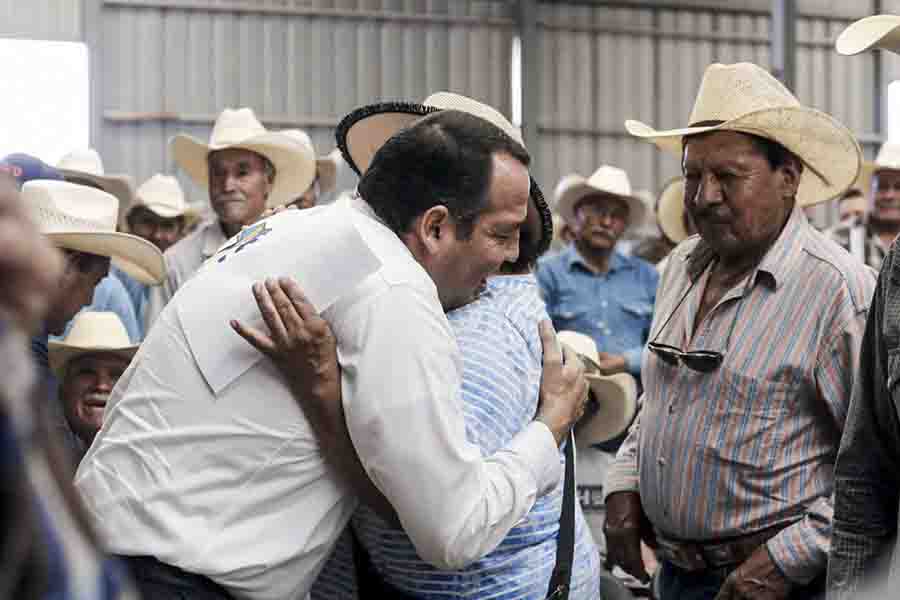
[614, 308]
[111, 295]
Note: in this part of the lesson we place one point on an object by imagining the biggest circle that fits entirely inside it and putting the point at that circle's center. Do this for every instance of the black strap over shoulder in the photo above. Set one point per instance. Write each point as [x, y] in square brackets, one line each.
[561, 579]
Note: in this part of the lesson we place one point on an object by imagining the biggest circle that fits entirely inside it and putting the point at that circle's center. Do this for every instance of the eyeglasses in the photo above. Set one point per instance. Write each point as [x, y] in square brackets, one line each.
[702, 361]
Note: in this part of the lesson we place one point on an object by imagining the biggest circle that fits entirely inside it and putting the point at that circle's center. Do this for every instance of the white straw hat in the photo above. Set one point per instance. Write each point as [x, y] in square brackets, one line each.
[877, 31]
[364, 131]
[605, 180]
[163, 196]
[295, 166]
[91, 333]
[670, 210]
[83, 218]
[616, 395]
[88, 166]
[888, 158]
[746, 98]
[326, 166]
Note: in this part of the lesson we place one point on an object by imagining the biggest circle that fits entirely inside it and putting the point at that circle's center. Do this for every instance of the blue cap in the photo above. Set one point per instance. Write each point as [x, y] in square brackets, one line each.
[24, 167]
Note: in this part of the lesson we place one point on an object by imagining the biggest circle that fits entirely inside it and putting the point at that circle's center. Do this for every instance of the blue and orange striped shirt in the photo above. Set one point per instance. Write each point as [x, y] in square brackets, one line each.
[753, 444]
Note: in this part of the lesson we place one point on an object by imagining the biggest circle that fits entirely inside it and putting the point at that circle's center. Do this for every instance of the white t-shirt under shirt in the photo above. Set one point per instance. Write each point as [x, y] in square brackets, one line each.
[206, 462]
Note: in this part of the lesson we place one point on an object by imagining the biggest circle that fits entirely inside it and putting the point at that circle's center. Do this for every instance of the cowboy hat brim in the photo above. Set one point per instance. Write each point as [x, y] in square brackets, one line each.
[60, 354]
[670, 211]
[134, 255]
[579, 188]
[120, 186]
[877, 31]
[364, 131]
[616, 397]
[295, 167]
[817, 139]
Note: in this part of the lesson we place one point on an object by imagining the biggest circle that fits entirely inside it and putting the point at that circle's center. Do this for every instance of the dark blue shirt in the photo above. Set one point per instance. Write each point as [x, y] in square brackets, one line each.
[614, 308]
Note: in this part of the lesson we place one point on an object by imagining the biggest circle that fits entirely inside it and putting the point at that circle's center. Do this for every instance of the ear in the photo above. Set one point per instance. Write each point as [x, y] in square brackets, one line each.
[433, 228]
[790, 177]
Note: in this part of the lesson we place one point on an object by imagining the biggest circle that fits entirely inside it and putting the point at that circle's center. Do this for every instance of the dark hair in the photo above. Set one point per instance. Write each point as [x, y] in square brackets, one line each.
[86, 262]
[442, 159]
[776, 154]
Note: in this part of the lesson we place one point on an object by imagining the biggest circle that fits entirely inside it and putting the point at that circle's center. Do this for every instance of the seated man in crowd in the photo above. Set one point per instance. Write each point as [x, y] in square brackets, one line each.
[207, 475]
[88, 362]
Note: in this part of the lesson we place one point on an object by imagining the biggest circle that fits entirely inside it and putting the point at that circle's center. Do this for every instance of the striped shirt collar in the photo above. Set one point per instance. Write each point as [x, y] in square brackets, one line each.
[777, 264]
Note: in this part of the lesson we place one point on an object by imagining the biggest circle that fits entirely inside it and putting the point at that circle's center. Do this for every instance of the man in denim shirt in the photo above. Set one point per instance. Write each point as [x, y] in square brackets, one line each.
[590, 287]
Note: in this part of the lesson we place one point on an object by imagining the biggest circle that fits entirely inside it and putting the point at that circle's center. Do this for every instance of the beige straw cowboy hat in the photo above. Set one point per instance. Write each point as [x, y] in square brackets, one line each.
[888, 158]
[615, 395]
[746, 98]
[361, 133]
[607, 180]
[295, 165]
[86, 167]
[670, 210]
[877, 31]
[91, 333]
[326, 166]
[83, 218]
[162, 195]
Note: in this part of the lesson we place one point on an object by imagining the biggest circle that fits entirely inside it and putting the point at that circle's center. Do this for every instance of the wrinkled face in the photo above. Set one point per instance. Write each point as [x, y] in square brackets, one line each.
[600, 220]
[886, 196]
[85, 389]
[238, 185]
[460, 267]
[75, 290]
[737, 202]
[160, 231]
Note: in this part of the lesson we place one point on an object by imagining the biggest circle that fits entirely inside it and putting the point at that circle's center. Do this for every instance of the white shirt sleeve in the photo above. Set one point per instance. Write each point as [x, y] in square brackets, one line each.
[401, 388]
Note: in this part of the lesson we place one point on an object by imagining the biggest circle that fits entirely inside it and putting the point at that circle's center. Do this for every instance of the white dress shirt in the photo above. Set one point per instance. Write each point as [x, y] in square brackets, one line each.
[205, 461]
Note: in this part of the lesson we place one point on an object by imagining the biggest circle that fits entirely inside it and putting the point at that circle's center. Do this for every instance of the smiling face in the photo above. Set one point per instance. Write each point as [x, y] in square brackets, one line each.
[738, 202]
[460, 264]
[886, 197]
[85, 389]
[239, 183]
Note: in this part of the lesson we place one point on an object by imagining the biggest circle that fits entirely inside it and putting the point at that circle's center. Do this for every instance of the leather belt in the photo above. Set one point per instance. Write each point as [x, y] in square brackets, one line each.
[707, 556]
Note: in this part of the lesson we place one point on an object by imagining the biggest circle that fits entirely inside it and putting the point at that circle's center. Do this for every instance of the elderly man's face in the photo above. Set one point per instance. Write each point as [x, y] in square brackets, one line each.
[85, 389]
[600, 220]
[238, 186]
[737, 201]
[886, 196]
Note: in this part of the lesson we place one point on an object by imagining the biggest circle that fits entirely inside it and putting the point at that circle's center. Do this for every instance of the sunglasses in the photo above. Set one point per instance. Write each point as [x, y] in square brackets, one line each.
[702, 361]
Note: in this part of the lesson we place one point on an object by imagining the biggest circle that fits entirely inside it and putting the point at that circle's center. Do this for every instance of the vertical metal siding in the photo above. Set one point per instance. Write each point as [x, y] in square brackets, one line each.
[41, 19]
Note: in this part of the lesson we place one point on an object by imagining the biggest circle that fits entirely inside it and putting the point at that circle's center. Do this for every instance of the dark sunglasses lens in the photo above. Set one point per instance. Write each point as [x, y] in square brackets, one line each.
[703, 362]
[669, 355]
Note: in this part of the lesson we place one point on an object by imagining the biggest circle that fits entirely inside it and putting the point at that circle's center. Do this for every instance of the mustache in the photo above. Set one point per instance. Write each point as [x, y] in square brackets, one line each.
[229, 196]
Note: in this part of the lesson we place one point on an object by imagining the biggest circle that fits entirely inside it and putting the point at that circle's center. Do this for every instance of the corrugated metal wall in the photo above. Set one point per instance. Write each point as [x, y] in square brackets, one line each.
[604, 65]
[166, 66]
[299, 63]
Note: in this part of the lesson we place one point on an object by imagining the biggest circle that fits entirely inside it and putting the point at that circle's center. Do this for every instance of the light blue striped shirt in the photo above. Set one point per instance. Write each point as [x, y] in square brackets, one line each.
[501, 352]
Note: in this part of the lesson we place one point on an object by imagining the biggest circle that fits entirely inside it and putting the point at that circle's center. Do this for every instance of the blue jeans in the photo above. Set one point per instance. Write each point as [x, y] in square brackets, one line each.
[678, 584]
[159, 581]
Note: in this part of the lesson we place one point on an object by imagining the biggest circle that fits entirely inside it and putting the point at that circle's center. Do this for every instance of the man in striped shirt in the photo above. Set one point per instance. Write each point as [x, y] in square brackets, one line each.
[729, 468]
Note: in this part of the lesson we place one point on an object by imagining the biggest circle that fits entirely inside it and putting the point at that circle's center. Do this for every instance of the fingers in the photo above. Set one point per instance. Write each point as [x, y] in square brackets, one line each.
[301, 304]
[634, 563]
[287, 310]
[573, 363]
[254, 337]
[551, 346]
[270, 314]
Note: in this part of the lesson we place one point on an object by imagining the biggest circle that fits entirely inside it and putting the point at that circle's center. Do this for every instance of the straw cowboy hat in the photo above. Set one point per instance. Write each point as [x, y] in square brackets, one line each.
[607, 180]
[744, 97]
[615, 395]
[91, 333]
[83, 218]
[877, 31]
[361, 133]
[295, 166]
[162, 195]
[326, 166]
[888, 158]
[86, 166]
[670, 210]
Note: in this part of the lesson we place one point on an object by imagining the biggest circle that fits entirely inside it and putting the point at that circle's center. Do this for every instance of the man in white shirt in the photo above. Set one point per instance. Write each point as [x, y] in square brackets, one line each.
[207, 475]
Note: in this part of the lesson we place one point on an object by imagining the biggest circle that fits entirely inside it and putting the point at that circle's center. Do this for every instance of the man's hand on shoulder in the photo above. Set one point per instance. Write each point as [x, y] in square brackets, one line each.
[564, 389]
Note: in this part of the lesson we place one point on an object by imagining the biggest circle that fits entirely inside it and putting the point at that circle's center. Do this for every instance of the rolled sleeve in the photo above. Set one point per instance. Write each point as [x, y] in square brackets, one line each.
[801, 550]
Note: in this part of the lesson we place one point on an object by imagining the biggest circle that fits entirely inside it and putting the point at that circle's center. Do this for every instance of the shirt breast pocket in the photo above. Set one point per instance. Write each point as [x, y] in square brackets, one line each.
[569, 310]
[639, 310]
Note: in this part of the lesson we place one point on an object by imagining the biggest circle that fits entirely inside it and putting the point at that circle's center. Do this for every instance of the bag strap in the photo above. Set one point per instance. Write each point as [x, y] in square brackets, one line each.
[561, 579]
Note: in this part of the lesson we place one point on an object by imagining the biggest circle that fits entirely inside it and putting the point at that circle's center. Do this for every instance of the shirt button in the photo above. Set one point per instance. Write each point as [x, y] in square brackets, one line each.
[601, 324]
[603, 303]
[661, 460]
[671, 408]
